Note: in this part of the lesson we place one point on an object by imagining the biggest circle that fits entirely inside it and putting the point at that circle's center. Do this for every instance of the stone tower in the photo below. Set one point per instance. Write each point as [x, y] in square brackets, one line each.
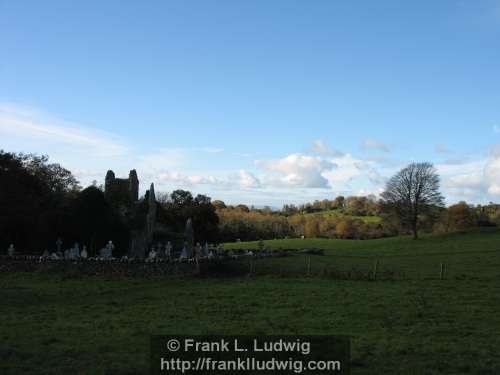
[134, 185]
[122, 190]
[151, 216]
[108, 184]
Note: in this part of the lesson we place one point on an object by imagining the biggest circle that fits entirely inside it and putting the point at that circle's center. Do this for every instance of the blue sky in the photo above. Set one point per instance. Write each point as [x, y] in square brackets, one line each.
[260, 102]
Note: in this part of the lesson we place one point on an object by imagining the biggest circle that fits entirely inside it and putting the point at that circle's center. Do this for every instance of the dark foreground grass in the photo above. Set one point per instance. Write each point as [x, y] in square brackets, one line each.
[51, 324]
[97, 326]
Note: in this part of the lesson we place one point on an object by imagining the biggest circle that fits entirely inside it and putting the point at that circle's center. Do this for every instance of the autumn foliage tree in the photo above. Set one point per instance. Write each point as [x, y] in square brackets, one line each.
[460, 216]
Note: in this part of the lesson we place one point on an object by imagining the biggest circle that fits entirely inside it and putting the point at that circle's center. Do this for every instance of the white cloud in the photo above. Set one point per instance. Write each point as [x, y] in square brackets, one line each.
[248, 180]
[186, 180]
[345, 172]
[372, 144]
[350, 168]
[90, 152]
[476, 181]
[297, 170]
[320, 147]
[22, 125]
[492, 172]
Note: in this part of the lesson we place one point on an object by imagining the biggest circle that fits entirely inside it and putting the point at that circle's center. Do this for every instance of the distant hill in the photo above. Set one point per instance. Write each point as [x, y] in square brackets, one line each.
[340, 213]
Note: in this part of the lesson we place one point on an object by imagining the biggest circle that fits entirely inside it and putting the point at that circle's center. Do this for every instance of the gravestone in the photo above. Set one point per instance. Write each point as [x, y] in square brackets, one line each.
[152, 254]
[59, 244]
[107, 252]
[197, 250]
[189, 237]
[11, 251]
[168, 250]
[75, 251]
[220, 249]
[184, 252]
[204, 253]
[267, 251]
[84, 254]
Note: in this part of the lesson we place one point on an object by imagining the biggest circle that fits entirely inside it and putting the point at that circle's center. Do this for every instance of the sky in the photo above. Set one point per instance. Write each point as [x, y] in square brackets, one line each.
[257, 102]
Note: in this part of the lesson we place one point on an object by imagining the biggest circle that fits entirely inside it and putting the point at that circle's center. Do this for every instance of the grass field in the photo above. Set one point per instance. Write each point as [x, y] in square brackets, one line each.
[55, 324]
[464, 255]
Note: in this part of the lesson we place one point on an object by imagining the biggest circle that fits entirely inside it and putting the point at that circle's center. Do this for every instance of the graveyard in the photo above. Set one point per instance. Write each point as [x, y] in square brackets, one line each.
[406, 318]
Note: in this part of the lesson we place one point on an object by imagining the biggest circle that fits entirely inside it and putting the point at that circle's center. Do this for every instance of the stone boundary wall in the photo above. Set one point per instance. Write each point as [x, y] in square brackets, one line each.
[99, 268]
[235, 264]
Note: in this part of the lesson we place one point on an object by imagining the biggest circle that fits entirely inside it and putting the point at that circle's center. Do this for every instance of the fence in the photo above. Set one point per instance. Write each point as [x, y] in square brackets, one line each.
[439, 266]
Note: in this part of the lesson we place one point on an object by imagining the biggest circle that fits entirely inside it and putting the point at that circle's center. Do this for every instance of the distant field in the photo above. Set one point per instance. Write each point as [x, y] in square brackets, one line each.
[473, 254]
[61, 323]
[339, 213]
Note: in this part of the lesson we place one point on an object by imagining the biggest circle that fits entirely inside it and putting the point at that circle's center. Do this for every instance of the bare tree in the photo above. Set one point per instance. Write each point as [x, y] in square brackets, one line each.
[412, 192]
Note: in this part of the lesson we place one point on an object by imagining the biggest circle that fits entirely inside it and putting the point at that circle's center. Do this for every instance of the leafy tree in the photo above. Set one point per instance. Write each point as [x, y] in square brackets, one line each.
[243, 207]
[311, 228]
[200, 209]
[33, 199]
[339, 202]
[412, 192]
[218, 204]
[345, 228]
[95, 222]
[460, 216]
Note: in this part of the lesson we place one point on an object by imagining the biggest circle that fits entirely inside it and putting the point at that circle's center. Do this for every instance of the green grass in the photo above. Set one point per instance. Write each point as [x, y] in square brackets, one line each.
[52, 324]
[465, 255]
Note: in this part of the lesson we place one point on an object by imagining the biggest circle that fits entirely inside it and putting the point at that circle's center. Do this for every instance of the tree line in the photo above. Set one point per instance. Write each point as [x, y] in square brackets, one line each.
[411, 203]
[42, 201]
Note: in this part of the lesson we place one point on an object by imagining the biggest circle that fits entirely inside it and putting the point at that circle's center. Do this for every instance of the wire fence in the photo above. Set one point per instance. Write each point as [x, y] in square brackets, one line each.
[438, 266]
[446, 265]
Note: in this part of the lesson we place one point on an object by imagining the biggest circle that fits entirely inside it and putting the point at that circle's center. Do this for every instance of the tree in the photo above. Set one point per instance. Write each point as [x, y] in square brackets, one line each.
[311, 228]
[339, 202]
[243, 207]
[412, 192]
[345, 228]
[33, 195]
[95, 222]
[181, 206]
[460, 216]
[218, 204]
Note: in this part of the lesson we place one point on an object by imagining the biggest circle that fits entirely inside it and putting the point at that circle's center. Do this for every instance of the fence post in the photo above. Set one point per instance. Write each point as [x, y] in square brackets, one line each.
[375, 269]
[441, 272]
[197, 265]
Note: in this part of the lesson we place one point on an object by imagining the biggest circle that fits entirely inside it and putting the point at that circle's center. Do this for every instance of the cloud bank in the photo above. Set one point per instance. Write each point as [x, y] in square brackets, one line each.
[321, 171]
